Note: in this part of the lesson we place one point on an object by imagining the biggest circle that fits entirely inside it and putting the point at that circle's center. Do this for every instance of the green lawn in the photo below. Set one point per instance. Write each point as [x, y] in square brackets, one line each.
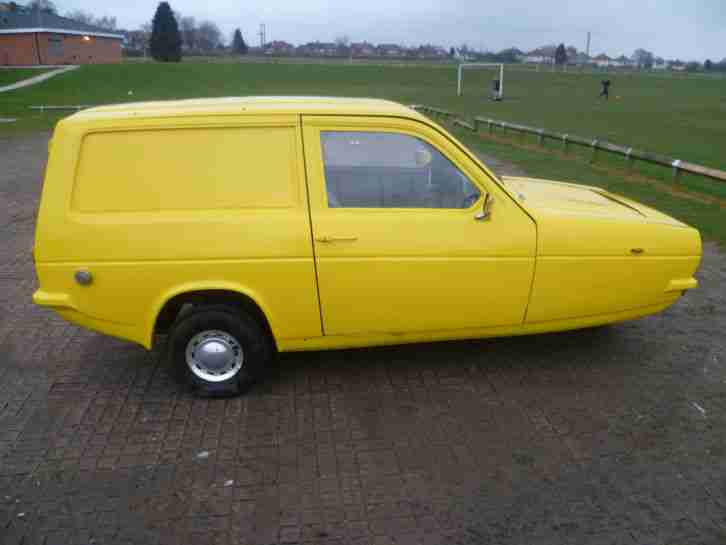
[9, 76]
[682, 117]
[678, 116]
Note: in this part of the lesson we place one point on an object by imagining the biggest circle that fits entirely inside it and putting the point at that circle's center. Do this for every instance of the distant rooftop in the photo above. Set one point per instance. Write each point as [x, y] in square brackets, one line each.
[23, 20]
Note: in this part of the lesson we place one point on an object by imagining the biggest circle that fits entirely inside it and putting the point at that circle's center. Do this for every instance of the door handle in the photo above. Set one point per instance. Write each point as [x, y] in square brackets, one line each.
[328, 239]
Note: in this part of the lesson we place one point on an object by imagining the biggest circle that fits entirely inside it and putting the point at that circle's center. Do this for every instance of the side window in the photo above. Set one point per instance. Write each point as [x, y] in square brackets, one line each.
[55, 45]
[390, 170]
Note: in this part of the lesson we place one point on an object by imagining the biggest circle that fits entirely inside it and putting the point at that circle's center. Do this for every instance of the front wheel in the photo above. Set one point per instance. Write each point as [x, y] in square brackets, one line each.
[219, 350]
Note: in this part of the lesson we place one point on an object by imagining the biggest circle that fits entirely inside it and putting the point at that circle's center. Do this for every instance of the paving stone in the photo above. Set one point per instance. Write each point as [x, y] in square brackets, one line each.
[581, 437]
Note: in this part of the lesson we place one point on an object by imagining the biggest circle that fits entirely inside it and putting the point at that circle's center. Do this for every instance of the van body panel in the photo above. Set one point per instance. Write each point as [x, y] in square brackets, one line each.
[414, 269]
[154, 200]
[332, 342]
[197, 206]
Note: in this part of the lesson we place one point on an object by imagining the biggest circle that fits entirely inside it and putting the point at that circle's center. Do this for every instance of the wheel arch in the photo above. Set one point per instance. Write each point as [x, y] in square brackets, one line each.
[167, 307]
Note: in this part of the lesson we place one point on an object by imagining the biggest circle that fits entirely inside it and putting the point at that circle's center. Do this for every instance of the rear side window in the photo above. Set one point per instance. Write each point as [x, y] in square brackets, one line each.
[391, 170]
[187, 169]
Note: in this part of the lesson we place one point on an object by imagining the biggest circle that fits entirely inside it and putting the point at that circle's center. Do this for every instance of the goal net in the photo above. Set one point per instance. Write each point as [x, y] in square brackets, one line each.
[496, 88]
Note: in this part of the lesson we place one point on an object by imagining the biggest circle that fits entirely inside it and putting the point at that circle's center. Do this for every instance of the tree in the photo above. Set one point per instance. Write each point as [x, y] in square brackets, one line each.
[188, 28]
[165, 40]
[708, 65]
[209, 37]
[238, 43]
[137, 41]
[43, 5]
[643, 58]
[109, 23]
[452, 52]
[561, 55]
[80, 16]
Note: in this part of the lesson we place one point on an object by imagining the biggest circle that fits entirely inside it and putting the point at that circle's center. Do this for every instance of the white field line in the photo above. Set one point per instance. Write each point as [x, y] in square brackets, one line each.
[37, 79]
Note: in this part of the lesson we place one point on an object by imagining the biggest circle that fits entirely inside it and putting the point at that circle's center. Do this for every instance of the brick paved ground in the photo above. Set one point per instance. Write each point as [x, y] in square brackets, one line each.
[614, 435]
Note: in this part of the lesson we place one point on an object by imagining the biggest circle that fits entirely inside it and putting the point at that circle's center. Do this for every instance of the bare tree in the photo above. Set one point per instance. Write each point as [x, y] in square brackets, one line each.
[643, 58]
[188, 28]
[43, 5]
[109, 23]
[209, 37]
[342, 44]
[80, 16]
[138, 40]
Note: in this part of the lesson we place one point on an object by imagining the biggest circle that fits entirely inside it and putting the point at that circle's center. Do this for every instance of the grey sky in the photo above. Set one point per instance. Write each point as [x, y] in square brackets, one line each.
[693, 30]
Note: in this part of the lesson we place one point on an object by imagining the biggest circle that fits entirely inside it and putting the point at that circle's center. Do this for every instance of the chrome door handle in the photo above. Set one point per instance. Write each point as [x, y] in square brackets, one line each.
[326, 239]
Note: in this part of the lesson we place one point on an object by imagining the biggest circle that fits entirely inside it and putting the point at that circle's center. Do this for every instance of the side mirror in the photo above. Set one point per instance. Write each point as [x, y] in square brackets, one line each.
[486, 208]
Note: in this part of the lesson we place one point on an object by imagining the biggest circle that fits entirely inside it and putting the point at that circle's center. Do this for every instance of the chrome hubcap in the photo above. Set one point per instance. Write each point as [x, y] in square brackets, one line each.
[214, 355]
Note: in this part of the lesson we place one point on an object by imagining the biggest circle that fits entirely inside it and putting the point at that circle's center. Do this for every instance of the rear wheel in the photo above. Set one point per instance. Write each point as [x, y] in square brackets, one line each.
[219, 350]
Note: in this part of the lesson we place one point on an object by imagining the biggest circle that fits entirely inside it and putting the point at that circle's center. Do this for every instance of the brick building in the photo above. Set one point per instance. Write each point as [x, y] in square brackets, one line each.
[34, 37]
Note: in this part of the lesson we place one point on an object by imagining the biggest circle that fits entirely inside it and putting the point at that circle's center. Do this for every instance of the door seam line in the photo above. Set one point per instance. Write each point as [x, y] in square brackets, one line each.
[534, 272]
[310, 220]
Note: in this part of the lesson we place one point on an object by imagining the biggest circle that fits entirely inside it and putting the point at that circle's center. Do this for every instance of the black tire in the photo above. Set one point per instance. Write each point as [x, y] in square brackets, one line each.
[256, 347]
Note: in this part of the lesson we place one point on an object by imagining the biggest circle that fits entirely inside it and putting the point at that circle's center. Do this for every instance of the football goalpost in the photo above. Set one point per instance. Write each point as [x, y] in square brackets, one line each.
[497, 93]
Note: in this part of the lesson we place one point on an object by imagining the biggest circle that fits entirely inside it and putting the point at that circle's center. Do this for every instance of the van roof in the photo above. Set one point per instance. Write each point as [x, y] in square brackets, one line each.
[252, 105]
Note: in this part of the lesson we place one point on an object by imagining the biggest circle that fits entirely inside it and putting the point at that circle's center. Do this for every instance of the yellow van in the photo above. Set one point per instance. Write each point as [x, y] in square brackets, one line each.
[246, 226]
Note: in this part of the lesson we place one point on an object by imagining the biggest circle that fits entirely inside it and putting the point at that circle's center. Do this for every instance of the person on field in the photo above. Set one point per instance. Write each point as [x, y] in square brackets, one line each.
[605, 89]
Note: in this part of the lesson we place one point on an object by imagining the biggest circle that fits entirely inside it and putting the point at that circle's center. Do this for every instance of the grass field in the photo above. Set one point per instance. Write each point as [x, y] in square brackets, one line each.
[9, 76]
[681, 117]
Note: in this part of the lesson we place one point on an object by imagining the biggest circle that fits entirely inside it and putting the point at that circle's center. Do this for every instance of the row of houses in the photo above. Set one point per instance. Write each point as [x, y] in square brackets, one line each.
[601, 61]
[356, 49]
[369, 50]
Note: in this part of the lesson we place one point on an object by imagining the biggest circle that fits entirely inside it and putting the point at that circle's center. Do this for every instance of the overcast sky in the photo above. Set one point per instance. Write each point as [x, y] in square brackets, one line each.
[689, 30]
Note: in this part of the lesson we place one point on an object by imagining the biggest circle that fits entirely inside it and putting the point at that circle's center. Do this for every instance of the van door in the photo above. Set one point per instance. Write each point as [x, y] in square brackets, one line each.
[398, 245]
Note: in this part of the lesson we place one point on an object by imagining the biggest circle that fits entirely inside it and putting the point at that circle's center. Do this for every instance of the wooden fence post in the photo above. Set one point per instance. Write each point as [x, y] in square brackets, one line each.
[594, 151]
[564, 142]
[676, 169]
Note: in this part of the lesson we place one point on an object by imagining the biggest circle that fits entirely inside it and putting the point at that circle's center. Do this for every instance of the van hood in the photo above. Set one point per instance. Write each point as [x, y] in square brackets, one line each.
[574, 199]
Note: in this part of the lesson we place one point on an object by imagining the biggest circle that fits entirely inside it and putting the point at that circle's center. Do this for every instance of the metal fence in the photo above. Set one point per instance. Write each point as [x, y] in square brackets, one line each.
[567, 140]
